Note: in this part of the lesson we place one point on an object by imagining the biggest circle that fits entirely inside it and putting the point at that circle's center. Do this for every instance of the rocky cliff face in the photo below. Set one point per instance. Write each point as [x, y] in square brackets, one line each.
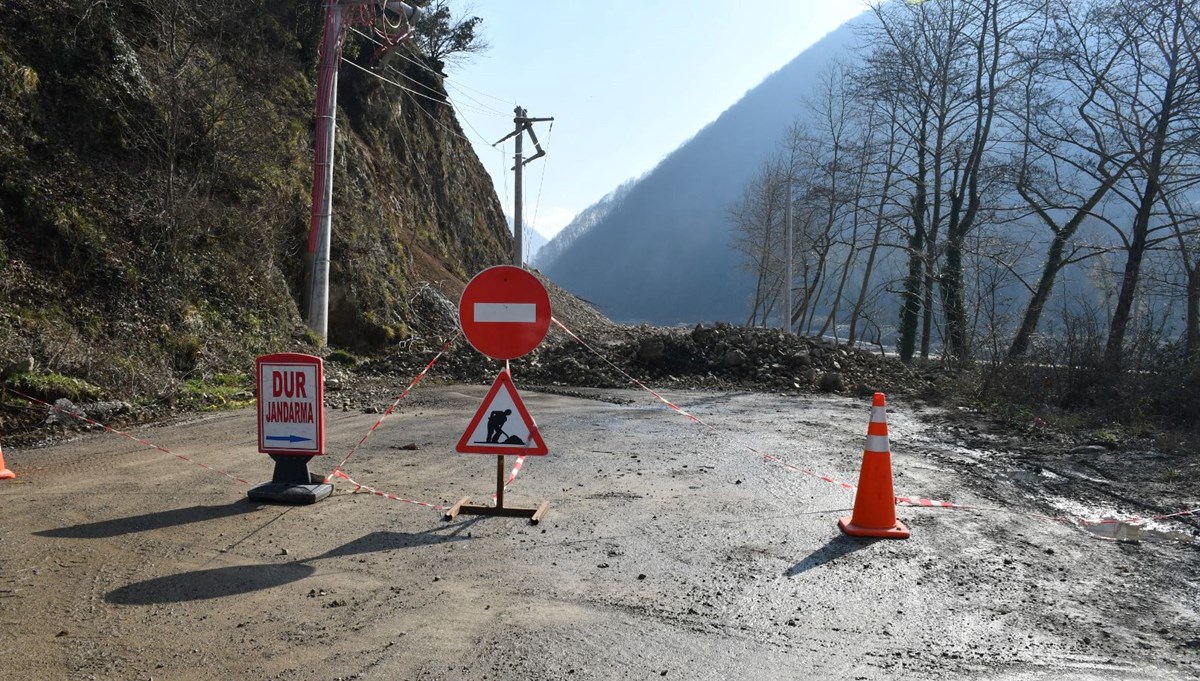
[155, 170]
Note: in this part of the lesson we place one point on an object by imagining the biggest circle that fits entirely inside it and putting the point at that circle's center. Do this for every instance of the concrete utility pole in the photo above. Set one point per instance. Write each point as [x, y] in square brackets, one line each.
[787, 256]
[523, 123]
[321, 220]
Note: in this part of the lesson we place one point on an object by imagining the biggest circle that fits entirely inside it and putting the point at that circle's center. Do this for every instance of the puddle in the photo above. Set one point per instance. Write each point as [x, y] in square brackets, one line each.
[1138, 533]
[1105, 522]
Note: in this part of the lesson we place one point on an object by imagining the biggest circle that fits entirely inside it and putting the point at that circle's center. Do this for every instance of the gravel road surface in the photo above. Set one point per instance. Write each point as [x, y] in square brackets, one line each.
[670, 550]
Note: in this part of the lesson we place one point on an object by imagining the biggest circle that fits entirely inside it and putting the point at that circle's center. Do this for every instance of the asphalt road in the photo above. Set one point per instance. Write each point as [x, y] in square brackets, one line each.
[670, 550]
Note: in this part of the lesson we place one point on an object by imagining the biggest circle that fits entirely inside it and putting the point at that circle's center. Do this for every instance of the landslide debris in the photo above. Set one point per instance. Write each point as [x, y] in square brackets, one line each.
[602, 354]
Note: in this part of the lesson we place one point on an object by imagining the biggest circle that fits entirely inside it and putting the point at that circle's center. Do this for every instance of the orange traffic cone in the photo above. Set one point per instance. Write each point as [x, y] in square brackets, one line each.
[5, 474]
[875, 502]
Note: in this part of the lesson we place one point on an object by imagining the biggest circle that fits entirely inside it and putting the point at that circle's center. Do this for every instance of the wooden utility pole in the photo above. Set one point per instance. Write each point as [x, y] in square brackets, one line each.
[523, 123]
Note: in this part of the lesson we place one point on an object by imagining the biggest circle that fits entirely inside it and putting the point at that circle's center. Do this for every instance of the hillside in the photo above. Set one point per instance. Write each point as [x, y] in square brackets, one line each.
[156, 165]
[669, 232]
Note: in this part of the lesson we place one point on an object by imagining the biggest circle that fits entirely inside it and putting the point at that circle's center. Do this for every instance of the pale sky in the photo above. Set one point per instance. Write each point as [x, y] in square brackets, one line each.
[627, 83]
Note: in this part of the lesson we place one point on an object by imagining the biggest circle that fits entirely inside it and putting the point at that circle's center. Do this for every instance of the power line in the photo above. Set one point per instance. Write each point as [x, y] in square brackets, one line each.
[541, 180]
[483, 108]
[392, 82]
[481, 104]
[457, 108]
[452, 131]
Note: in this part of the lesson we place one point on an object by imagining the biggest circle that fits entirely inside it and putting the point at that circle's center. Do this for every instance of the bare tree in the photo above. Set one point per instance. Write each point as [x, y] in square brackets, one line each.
[757, 219]
[947, 63]
[448, 36]
[1149, 103]
[1184, 219]
[882, 154]
[1067, 165]
[837, 158]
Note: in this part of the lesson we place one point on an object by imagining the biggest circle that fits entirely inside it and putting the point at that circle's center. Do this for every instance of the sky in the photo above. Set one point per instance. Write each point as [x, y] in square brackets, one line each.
[626, 83]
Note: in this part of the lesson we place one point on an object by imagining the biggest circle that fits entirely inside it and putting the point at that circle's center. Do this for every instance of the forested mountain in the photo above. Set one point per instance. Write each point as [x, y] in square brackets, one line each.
[155, 174]
[580, 225]
[968, 176]
[661, 250]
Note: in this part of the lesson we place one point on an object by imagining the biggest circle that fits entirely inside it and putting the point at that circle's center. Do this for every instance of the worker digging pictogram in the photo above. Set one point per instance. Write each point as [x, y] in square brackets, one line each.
[495, 427]
[502, 425]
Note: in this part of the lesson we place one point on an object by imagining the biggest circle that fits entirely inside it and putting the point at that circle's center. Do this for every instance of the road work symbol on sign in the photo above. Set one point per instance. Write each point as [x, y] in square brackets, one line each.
[502, 425]
[291, 409]
[504, 312]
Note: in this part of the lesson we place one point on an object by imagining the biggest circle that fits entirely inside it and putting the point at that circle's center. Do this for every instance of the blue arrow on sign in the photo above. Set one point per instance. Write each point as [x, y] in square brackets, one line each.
[288, 438]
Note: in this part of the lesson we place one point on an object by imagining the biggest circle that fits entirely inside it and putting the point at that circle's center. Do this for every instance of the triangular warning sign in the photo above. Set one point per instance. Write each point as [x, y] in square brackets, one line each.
[502, 425]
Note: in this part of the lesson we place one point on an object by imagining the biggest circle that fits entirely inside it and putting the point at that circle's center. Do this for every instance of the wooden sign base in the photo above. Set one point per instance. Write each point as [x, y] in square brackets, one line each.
[464, 507]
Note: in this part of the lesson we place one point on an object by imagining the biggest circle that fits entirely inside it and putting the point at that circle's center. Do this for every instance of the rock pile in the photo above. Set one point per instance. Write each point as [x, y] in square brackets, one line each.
[717, 357]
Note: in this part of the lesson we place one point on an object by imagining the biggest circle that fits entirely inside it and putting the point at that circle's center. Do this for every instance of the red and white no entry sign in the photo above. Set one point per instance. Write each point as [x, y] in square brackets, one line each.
[504, 312]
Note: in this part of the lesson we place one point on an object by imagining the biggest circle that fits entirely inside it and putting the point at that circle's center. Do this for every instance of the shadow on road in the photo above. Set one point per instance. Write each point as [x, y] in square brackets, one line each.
[837, 547]
[242, 579]
[387, 541]
[204, 584]
[151, 521]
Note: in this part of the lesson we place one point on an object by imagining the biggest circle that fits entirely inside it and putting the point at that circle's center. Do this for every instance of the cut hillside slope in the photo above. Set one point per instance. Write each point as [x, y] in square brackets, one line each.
[155, 173]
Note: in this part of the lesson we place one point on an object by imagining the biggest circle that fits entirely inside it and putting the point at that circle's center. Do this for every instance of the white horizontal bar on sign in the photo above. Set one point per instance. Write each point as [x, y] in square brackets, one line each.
[506, 312]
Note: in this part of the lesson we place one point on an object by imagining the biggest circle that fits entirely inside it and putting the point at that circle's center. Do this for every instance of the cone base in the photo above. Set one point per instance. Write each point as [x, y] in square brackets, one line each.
[897, 531]
[6, 474]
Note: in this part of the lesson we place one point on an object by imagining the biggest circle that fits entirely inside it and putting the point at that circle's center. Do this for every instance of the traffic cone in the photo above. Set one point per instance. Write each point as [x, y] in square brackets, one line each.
[5, 474]
[874, 501]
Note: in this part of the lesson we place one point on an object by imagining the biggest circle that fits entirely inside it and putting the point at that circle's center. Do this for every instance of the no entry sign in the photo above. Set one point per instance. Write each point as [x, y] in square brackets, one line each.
[291, 404]
[504, 312]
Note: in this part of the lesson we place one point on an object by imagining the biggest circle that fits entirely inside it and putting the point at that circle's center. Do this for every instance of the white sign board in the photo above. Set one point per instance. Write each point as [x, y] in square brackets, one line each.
[291, 409]
[502, 425]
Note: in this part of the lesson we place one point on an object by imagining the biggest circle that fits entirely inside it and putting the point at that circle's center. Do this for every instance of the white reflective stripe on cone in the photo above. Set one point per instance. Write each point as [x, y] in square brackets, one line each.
[878, 414]
[878, 443]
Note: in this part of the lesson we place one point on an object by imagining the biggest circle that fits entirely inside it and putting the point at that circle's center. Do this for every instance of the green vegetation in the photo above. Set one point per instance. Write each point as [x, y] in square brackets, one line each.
[155, 174]
[342, 357]
[50, 386]
[223, 391]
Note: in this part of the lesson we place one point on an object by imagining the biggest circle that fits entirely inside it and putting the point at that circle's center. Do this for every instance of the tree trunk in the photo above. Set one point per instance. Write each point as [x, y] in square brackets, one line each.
[1193, 317]
[1041, 293]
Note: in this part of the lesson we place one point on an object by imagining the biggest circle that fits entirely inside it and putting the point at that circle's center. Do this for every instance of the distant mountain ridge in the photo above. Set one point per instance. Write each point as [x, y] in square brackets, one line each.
[659, 249]
[534, 240]
[580, 224]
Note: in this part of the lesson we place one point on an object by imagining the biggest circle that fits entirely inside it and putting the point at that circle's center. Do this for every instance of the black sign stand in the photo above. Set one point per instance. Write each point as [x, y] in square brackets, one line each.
[291, 483]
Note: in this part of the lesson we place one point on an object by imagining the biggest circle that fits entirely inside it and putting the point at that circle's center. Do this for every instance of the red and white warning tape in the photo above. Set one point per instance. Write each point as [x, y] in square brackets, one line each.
[621, 371]
[911, 501]
[930, 503]
[791, 467]
[412, 384]
[694, 418]
[123, 434]
[337, 472]
[513, 475]
[386, 495]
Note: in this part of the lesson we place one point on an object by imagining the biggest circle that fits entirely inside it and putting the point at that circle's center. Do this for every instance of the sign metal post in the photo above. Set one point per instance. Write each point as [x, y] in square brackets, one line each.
[504, 313]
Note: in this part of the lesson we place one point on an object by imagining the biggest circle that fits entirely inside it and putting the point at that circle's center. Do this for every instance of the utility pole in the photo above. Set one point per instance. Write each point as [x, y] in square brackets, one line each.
[523, 123]
[321, 221]
[787, 256]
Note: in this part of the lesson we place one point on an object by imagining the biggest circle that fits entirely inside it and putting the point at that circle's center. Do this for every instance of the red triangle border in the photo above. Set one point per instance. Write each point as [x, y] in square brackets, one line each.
[535, 447]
